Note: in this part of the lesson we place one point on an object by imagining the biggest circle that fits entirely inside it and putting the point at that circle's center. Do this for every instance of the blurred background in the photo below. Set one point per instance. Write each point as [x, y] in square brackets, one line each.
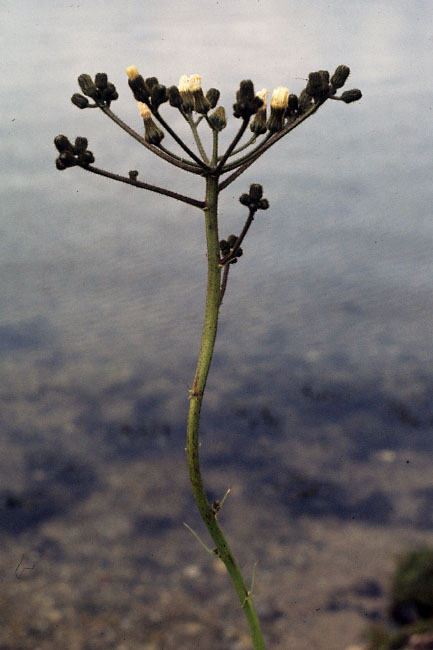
[318, 412]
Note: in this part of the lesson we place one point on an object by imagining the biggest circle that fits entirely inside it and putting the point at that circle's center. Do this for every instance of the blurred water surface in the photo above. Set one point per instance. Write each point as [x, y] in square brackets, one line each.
[328, 314]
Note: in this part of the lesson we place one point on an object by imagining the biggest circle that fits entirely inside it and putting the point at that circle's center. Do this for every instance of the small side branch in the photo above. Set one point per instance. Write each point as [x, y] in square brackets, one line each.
[146, 186]
[179, 141]
[236, 139]
[197, 139]
[224, 284]
[225, 260]
[245, 146]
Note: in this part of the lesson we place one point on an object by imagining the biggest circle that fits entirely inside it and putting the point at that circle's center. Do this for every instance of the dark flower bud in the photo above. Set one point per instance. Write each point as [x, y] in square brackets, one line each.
[67, 158]
[80, 145]
[110, 94]
[239, 109]
[88, 87]
[158, 95]
[139, 89]
[256, 192]
[305, 101]
[213, 96]
[259, 124]
[218, 119]
[174, 97]
[224, 247]
[246, 109]
[231, 241]
[201, 104]
[86, 158]
[318, 84]
[62, 143]
[59, 165]
[133, 174]
[79, 100]
[137, 85]
[246, 91]
[150, 82]
[263, 204]
[247, 103]
[245, 199]
[101, 80]
[340, 75]
[239, 252]
[234, 260]
[351, 95]
[293, 104]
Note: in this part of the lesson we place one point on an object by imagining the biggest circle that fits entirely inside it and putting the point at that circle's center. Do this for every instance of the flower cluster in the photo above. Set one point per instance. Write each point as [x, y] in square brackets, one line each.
[100, 90]
[71, 155]
[229, 250]
[253, 200]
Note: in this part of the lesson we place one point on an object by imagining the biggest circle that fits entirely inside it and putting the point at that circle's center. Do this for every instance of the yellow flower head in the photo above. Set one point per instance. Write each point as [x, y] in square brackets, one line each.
[194, 82]
[132, 72]
[183, 84]
[144, 110]
[280, 97]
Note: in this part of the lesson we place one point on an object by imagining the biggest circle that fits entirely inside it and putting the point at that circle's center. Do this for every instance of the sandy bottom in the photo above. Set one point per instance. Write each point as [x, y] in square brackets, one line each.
[95, 554]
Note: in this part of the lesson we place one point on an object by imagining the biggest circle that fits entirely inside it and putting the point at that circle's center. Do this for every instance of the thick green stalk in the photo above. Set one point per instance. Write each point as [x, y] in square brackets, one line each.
[208, 514]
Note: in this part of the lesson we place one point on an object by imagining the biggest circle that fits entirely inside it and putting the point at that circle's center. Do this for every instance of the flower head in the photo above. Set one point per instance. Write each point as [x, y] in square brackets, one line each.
[279, 103]
[144, 110]
[186, 94]
[183, 84]
[194, 82]
[132, 72]
[280, 98]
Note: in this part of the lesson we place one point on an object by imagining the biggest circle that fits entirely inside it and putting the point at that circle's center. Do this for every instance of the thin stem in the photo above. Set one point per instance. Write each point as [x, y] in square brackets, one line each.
[174, 155]
[265, 146]
[214, 147]
[224, 283]
[196, 397]
[250, 154]
[179, 141]
[245, 146]
[174, 160]
[240, 239]
[198, 142]
[236, 139]
[145, 186]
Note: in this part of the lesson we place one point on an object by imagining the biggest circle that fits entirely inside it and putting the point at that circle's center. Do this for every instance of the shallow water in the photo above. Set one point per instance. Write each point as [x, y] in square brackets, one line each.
[324, 355]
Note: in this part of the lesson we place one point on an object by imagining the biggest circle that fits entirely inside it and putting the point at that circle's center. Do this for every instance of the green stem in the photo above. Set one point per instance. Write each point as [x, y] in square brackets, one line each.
[198, 142]
[196, 397]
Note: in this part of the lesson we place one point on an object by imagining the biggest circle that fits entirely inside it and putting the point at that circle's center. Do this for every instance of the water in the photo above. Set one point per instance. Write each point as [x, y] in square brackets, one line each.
[325, 336]
[103, 283]
[318, 409]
